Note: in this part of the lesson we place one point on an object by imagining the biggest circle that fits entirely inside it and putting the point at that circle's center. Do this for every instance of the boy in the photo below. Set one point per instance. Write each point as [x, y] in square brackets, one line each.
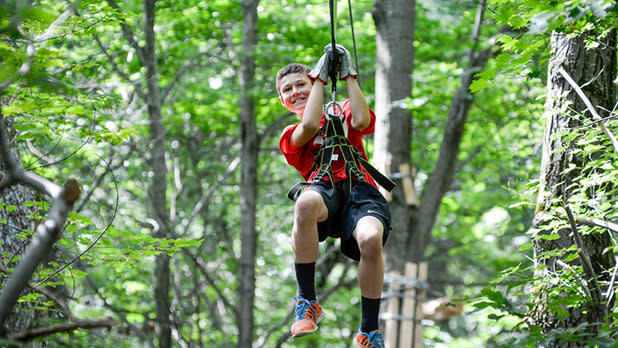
[359, 216]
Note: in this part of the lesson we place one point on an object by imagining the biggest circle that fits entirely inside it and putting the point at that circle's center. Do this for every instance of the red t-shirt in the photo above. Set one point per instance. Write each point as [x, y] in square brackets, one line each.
[302, 158]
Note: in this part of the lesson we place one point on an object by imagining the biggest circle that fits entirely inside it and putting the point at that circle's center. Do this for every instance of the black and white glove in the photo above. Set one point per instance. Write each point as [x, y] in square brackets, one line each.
[347, 66]
[320, 71]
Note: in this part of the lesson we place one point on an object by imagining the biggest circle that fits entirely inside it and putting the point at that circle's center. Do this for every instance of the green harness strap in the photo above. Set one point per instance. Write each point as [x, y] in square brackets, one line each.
[336, 139]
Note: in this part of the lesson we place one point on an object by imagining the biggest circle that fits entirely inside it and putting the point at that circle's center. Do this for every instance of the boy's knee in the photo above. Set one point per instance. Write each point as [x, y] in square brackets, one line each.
[369, 237]
[309, 207]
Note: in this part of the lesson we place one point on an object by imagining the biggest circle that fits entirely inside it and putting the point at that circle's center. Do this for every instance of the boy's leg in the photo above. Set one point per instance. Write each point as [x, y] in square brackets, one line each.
[368, 233]
[367, 219]
[308, 211]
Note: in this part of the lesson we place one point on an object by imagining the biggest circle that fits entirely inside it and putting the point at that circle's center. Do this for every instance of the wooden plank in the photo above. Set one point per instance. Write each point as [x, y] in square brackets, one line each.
[408, 185]
[392, 311]
[407, 309]
[421, 295]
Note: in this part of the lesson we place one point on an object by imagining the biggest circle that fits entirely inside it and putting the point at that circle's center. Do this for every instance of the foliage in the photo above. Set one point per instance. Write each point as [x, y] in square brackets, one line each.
[591, 196]
[529, 23]
[78, 112]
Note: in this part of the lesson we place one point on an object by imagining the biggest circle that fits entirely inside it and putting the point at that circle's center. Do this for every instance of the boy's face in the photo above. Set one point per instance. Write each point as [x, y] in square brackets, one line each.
[294, 91]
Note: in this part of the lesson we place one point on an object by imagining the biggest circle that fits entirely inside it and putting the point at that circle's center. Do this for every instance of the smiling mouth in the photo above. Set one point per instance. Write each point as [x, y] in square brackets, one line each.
[299, 100]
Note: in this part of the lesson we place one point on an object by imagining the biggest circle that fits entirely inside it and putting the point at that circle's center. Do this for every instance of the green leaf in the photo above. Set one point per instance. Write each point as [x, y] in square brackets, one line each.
[478, 85]
[571, 257]
[549, 236]
[526, 246]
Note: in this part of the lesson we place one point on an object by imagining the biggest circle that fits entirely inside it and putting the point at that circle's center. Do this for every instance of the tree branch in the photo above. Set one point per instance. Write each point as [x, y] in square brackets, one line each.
[50, 295]
[15, 171]
[23, 70]
[273, 127]
[119, 312]
[591, 108]
[185, 67]
[128, 34]
[54, 25]
[138, 86]
[97, 182]
[50, 330]
[204, 271]
[30, 50]
[47, 232]
[129, 37]
[598, 223]
[583, 254]
[442, 176]
[205, 200]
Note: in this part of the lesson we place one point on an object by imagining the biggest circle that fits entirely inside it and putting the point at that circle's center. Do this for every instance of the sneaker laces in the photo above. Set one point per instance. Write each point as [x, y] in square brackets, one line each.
[303, 309]
[373, 339]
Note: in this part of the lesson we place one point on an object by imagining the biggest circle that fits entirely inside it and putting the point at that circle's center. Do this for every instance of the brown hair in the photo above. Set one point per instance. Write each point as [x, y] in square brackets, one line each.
[290, 69]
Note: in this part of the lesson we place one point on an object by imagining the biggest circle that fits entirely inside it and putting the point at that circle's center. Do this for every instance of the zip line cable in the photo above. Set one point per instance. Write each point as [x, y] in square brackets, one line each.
[354, 40]
[334, 56]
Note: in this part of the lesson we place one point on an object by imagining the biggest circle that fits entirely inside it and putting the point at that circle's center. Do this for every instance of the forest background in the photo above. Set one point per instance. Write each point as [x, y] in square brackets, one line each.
[166, 115]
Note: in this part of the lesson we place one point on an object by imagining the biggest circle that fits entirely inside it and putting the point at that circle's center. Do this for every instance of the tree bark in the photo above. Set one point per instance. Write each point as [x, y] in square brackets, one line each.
[593, 69]
[394, 20]
[248, 179]
[158, 186]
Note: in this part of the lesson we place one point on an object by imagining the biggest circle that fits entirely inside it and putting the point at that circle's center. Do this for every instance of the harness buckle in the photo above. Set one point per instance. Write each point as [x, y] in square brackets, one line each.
[333, 110]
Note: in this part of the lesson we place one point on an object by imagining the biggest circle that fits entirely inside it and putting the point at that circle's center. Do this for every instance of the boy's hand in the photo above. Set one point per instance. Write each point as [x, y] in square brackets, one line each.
[320, 71]
[347, 67]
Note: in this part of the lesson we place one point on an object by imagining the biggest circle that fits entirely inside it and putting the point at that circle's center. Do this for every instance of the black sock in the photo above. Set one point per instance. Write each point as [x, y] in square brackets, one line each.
[370, 312]
[305, 277]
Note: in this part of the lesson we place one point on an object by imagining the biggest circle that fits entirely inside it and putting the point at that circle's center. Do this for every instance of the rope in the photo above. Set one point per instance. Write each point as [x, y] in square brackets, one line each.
[332, 57]
[353, 40]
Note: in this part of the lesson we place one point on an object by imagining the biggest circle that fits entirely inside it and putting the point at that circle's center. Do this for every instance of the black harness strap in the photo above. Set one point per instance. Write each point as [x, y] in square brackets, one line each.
[335, 139]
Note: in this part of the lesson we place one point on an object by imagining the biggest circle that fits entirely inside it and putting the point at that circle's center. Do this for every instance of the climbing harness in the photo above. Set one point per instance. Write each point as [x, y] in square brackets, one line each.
[335, 138]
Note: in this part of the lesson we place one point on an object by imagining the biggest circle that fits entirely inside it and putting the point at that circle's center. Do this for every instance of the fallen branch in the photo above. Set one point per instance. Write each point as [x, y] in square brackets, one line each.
[50, 330]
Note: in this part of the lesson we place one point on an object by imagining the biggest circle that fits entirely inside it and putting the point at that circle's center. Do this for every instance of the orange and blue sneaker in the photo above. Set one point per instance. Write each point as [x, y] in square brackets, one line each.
[308, 315]
[369, 340]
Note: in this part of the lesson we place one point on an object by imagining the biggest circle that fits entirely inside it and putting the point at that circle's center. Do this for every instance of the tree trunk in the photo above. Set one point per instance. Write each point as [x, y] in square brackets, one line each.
[248, 179]
[441, 178]
[412, 225]
[158, 187]
[12, 222]
[394, 20]
[595, 70]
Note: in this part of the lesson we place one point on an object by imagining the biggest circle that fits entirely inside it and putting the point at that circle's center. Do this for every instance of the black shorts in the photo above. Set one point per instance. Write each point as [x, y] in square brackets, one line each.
[344, 212]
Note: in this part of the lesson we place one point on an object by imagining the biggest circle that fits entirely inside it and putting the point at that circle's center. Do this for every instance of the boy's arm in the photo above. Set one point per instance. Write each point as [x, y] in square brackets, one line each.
[360, 110]
[312, 116]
